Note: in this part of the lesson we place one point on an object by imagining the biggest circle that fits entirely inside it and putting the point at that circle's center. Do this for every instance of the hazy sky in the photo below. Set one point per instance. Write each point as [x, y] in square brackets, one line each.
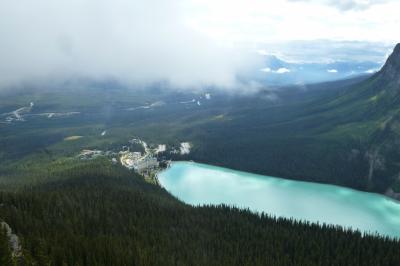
[277, 20]
[187, 43]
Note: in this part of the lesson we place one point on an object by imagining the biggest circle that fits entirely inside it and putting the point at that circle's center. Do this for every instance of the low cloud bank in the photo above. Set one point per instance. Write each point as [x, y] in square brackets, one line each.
[134, 42]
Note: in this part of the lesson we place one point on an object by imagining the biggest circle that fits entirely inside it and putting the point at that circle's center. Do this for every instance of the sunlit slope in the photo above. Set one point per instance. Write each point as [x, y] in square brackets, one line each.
[368, 113]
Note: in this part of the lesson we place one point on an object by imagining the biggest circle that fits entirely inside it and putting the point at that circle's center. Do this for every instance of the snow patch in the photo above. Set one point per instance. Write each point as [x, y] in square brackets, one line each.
[191, 101]
[153, 105]
[185, 148]
[371, 71]
[161, 148]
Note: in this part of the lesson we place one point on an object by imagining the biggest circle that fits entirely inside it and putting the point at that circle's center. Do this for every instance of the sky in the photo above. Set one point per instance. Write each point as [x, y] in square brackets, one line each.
[189, 44]
[286, 20]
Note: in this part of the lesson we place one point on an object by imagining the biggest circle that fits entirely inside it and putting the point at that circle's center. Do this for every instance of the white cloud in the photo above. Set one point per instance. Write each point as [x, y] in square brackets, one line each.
[332, 71]
[134, 41]
[189, 43]
[347, 4]
[262, 52]
[283, 70]
[255, 21]
[267, 70]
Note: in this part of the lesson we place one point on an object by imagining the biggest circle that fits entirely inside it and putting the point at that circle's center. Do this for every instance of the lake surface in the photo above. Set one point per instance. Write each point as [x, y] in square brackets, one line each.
[199, 184]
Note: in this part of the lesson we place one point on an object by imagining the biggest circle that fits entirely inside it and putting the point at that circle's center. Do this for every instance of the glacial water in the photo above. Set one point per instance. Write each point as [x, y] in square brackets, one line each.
[199, 184]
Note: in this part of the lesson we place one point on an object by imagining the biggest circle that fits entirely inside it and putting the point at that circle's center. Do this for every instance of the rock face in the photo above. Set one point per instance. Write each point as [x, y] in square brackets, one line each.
[14, 240]
[390, 193]
[391, 70]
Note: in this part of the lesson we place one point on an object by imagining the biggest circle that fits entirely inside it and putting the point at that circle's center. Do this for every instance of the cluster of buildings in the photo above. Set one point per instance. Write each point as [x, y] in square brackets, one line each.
[139, 163]
[145, 163]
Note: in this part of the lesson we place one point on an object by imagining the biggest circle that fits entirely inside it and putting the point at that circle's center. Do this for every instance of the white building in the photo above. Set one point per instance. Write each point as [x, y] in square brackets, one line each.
[145, 163]
[135, 160]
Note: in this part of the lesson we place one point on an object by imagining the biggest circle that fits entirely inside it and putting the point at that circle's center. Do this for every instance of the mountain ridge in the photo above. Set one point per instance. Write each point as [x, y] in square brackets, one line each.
[391, 70]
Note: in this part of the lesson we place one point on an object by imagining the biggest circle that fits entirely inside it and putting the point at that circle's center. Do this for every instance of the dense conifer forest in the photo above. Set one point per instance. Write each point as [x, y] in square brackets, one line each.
[102, 214]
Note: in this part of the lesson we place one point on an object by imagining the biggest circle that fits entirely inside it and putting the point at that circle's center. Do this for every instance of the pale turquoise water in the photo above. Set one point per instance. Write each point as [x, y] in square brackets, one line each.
[199, 184]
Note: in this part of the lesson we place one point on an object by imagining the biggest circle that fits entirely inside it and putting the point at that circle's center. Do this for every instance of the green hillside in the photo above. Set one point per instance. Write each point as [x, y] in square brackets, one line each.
[100, 214]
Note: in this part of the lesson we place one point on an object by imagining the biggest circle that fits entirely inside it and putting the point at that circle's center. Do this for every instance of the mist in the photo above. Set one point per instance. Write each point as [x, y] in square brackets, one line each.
[133, 42]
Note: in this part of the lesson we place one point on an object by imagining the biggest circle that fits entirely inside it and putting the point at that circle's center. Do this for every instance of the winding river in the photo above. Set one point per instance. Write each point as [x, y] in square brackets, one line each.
[199, 184]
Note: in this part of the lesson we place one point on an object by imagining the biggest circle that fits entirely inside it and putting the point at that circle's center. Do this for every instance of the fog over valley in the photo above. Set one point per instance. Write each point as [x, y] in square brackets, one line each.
[139, 43]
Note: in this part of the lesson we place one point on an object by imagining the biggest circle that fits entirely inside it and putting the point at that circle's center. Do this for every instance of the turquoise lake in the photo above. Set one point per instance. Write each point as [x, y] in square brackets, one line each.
[199, 184]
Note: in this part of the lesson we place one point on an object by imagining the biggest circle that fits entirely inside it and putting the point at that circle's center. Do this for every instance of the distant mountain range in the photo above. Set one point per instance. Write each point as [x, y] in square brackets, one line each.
[277, 71]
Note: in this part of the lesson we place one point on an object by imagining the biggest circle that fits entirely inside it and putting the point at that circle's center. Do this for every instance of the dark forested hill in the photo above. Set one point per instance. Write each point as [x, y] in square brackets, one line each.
[105, 215]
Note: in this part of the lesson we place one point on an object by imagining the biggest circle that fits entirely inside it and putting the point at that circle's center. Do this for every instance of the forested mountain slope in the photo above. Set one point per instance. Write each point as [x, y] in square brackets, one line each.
[348, 136]
[101, 214]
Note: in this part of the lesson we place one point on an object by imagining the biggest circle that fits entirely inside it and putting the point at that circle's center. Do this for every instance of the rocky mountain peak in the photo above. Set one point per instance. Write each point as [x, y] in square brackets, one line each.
[391, 69]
